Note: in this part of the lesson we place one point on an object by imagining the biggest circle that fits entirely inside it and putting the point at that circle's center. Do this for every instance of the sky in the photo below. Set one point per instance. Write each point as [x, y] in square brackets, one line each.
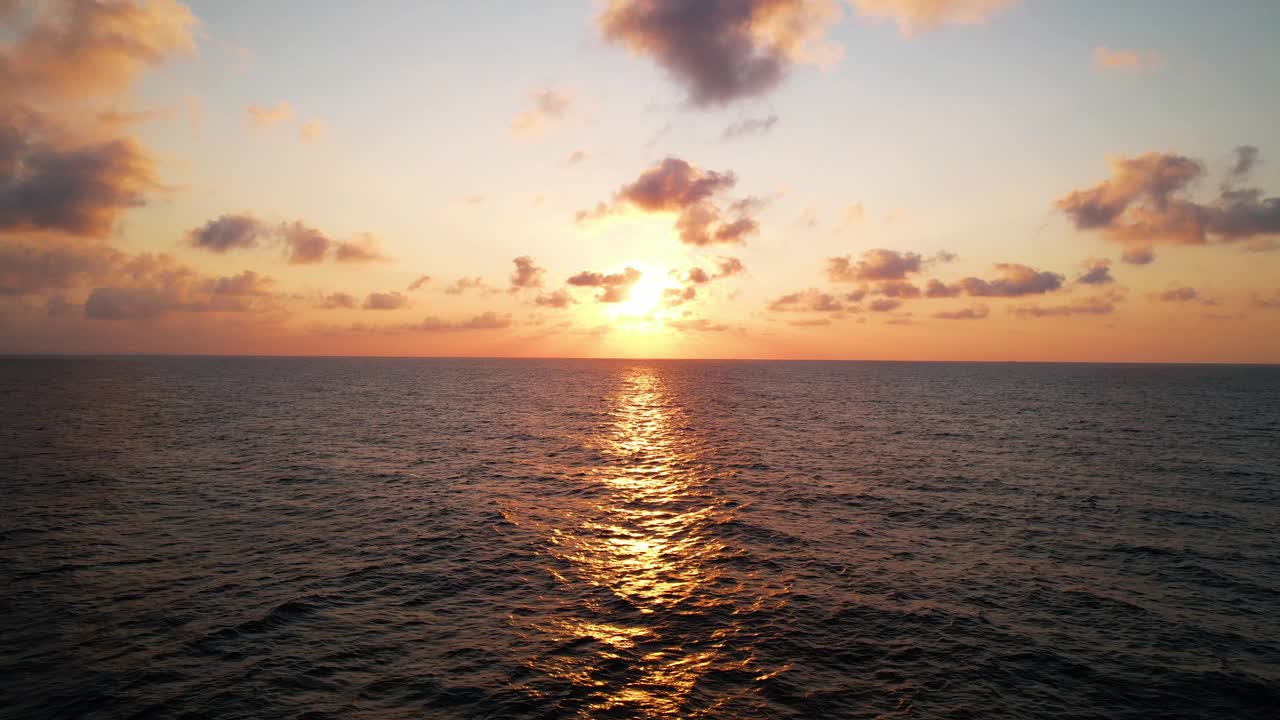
[831, 179]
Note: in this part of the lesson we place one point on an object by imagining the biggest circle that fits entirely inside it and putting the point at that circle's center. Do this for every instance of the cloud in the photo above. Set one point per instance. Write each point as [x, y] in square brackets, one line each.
[576, 157]
[336, 301]
[897, 289]
[615, 287]
[363, 249]
[1097, 272]
[559, 300]
[750, 126]
[1138, 255]
[675, 297]
[696, 325]
[305, 245]
[483, 321]
[114, 119]
[548, 106]
[416, 284]
[1145, 202]
[884, 305]
[463, 284]
[73, 49]
[78, 190]
[526, 275]
[262, 116]
[976, 312]
[385, 301]
[229, 231]
[810, 300]
[1131, 60]
[729, 266]
[938, 289]
[877, 264]
[311, 131]
[723, 50]
[1178, 294]
[1015, 280]
[916, 16]
[1086, 306]
[246, 283]
[1265, 302]
[1246, 156]
[676, 186]
[148, 286]
[29, 267]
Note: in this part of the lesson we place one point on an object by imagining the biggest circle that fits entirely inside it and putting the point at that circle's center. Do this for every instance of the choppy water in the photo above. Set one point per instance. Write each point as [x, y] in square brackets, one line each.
[542, 539]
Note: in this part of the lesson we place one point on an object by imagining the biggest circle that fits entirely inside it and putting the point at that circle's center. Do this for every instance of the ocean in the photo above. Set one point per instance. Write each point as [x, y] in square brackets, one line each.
[450, 538]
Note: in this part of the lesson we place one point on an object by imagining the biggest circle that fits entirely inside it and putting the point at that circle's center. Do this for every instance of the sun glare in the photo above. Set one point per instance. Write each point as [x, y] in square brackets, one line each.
[646, 295]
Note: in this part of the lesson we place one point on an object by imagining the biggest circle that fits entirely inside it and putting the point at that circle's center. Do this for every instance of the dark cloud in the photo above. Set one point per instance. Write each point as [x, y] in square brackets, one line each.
[883, 304]
[149, 286]
[356, 252]
[226, 232]
[720, 50]
[897, 289]
[1142, 255]
[34, 267]
[1246, 156]
[676, 186]
[1145, 201]
[483, 321]
[385, 301]
[750, 126]
[810, 300]
[1097, 272]
[697, 276]
[977, 312]
[78, 190]
[304, 245]
[526, 275]
[615, 287]
[1015, 280]
[560, 299]
[246, 283]
[337, 301]
[877, 264]
[938, 289]
[416, 284]
[1178, 294]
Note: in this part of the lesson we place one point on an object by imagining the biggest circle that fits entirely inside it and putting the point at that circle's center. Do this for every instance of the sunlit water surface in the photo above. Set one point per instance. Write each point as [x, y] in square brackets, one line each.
[609, 539]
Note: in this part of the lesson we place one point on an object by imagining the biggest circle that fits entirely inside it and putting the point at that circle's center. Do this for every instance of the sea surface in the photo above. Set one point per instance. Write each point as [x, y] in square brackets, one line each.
[405, 538]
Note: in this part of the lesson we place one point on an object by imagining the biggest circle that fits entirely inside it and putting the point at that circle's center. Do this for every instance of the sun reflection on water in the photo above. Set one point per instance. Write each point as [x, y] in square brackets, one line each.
[653, 611]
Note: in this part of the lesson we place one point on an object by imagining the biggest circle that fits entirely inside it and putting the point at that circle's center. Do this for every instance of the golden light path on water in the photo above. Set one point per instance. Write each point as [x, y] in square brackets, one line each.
[668, 614]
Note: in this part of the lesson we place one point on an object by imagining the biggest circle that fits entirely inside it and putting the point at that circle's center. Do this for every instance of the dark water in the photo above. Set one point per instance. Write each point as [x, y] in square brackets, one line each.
[542, 539]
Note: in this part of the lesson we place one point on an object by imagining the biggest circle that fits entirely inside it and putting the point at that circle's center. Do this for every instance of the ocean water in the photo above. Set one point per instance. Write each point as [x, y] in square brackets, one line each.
[382, 538]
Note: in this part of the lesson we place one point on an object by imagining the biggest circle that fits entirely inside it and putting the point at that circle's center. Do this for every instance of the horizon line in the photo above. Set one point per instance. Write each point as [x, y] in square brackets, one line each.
[300, 356]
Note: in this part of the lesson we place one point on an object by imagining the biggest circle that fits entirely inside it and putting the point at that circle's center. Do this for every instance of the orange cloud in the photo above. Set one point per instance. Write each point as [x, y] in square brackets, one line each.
[73, 49]
[549, 106]
[1104, 59]
[260, 116]
[916, 16]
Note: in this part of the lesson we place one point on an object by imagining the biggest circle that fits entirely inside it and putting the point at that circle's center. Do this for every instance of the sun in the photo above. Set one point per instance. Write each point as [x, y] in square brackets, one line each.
[645, 295]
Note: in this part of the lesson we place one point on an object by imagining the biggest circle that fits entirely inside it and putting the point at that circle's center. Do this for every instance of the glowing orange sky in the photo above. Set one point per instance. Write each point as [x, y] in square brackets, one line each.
[865, 179]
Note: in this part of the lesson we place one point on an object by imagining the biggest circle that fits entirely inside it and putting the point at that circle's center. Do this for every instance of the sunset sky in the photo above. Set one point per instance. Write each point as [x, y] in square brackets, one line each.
[854, 179]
